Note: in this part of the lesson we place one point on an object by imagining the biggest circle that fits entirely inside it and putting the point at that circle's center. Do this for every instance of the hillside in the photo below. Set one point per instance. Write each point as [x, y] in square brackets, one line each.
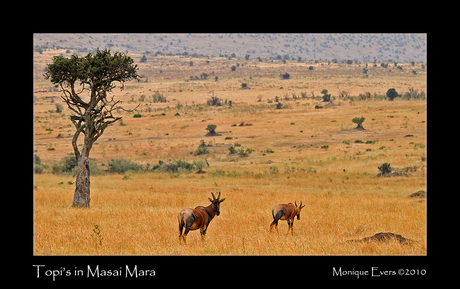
[362, 47]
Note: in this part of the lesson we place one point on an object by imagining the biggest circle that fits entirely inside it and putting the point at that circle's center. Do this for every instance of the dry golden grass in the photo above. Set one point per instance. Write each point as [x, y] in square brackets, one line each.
[343, 198]
[138, 216]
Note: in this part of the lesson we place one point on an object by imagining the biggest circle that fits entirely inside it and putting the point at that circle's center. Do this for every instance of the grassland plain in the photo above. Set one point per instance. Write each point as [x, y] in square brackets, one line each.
[290, 162]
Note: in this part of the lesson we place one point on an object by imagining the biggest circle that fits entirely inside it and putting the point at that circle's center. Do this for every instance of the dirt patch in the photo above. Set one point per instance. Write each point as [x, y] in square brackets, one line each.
[384, 237]
[418, 194]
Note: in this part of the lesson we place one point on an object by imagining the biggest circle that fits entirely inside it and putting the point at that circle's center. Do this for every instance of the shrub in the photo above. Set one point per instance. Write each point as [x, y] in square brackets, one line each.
[244, 153]
[38, 166]
[285, 75]
[199, 165]
[211, 128]
[392, 94]
[359, 121]
[65, 165]
[326, 97]
[214, 101]
[122, 166]
[231, 150]
[137, 115]
[176, 166]
[202, 148]
[385, 168]
[158, 97]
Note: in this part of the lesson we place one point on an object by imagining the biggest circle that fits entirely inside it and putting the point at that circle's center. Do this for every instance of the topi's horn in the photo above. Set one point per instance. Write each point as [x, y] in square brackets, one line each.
[213, 195]
[300, 204]
[218, 197]
[295, 202]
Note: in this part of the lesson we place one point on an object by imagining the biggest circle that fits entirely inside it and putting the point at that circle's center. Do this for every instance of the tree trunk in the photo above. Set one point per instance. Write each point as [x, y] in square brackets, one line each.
[81, 196]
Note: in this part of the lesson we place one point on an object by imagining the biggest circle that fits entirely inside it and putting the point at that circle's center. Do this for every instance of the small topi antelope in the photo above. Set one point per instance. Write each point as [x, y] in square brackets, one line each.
[198, 218]
[286, 212]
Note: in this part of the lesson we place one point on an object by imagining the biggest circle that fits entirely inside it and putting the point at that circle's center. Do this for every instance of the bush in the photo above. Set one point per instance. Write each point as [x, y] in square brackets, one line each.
[359, 121]
[202, 148]
[392, 94]
[122, 166]
[214, 101]
[326, 97]
[68, 165]
[65, 165]
[38, 166]
[177, 166]
[199, 165]
[244, 153]
[158, 97]
[285, 75]
[385, 168]
[211, 128]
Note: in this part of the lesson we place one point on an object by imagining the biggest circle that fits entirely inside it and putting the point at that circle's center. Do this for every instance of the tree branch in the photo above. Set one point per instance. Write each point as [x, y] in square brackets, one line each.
[75, 138]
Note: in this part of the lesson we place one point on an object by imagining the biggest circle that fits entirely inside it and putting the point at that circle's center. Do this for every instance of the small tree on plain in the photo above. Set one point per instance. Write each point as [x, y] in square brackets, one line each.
[285, 75]
[392, 94]
[211, 128]
[326, 97]
[385, 168]
[359, 121]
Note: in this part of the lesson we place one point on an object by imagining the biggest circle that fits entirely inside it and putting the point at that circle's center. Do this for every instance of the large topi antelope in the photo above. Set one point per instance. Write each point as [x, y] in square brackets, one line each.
[198, 218]
[286, 212]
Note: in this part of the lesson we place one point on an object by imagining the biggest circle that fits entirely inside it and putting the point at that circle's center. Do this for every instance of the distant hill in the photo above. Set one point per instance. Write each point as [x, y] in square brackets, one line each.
[362, 47]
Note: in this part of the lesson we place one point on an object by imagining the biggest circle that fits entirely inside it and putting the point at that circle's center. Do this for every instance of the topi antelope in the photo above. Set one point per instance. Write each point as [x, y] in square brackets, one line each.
[198, 218]
[286, 212]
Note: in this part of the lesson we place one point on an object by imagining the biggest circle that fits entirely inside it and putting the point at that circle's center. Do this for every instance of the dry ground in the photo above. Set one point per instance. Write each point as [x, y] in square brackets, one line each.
[344, 200]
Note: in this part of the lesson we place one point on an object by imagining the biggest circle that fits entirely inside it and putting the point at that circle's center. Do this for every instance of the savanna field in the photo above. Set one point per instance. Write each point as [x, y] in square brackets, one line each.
[307, 150]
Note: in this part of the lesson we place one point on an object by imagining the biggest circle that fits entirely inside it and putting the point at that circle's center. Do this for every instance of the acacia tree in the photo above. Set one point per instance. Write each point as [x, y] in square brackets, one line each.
[85, 83]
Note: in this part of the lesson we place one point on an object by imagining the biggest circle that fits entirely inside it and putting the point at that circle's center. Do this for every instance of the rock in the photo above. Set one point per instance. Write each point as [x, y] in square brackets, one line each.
[384, 237]
[419, 194]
